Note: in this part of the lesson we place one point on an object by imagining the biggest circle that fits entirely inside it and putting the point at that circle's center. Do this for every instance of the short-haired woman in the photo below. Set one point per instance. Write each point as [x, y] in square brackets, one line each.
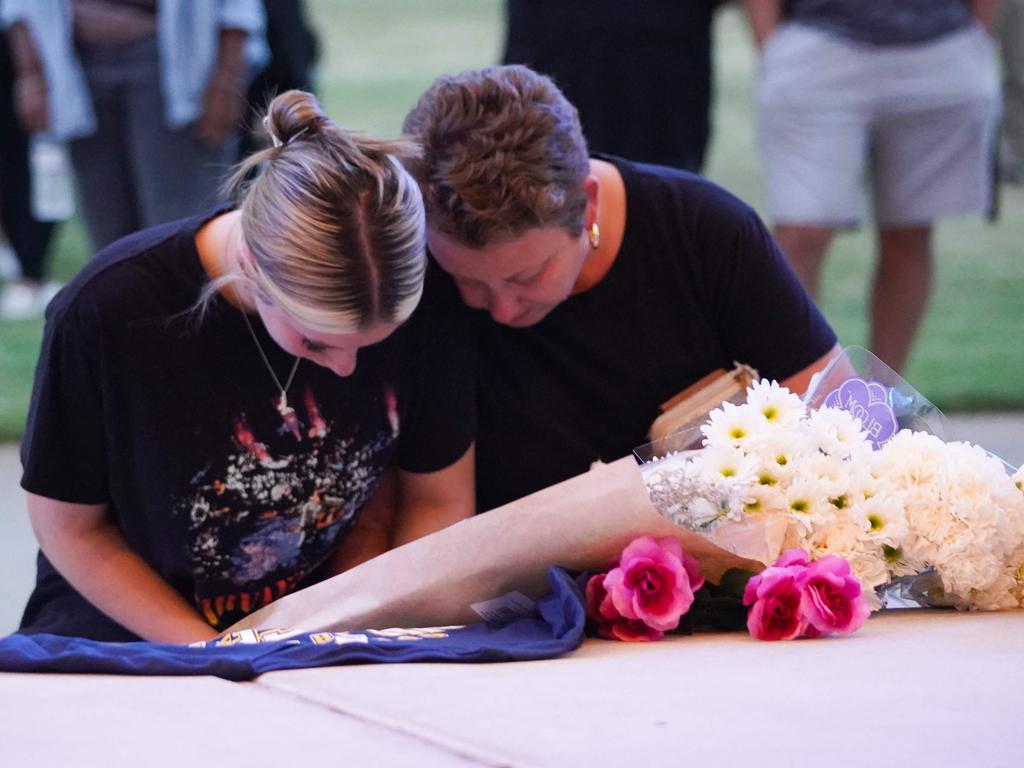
[201, 440]
[612, 285]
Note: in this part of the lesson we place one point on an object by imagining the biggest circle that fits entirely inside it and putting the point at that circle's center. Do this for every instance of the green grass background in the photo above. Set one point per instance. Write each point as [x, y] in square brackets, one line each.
[379, 56]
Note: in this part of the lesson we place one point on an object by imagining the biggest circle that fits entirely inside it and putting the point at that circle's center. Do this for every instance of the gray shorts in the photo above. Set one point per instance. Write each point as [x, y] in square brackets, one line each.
[915, 122]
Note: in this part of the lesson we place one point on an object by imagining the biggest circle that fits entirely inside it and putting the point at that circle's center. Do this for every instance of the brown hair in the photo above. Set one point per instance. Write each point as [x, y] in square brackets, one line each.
[502, 153]
[334, 222]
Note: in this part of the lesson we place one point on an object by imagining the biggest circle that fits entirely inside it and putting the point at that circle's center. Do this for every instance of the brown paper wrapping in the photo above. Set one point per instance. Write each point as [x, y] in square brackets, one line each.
[581, 523]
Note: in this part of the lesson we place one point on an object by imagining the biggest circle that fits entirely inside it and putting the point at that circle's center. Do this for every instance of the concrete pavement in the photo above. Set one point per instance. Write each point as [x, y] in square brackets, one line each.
[1003, 434]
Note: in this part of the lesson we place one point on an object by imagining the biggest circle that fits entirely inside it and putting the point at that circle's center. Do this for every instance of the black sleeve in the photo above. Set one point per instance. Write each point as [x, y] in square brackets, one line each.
[765, 317]
[63, 451]
[441, 424]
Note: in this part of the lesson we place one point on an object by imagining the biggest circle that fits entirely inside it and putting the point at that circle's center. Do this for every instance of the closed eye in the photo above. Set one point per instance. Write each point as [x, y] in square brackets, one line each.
[312, 346]
[528, 277]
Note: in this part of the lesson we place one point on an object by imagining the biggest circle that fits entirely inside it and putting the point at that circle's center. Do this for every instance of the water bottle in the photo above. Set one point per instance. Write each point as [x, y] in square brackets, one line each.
[52, 194]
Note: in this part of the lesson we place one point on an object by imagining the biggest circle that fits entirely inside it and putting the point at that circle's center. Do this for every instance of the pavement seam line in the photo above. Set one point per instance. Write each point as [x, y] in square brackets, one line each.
[454, 746]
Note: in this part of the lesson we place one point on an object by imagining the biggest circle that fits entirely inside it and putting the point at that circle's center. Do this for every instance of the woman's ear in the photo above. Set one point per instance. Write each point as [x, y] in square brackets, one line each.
[592, 189]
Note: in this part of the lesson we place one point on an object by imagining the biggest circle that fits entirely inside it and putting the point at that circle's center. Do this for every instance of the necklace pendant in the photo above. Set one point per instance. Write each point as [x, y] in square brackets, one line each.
[291, 421]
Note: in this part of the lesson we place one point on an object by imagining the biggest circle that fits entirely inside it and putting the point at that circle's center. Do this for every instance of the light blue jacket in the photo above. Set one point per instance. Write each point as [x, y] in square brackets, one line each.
[187, 37]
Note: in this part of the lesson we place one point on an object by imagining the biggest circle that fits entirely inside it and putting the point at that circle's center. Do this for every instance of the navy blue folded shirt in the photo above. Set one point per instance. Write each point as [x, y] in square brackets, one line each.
[555, 628]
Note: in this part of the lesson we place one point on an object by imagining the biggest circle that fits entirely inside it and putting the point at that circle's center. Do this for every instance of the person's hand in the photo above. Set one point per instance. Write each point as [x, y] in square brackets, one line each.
[223, 108]
[31, 103]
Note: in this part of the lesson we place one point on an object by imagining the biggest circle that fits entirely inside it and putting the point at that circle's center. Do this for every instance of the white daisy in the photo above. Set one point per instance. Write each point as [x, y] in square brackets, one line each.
[732, 425]
[837, 432]
[777, 405]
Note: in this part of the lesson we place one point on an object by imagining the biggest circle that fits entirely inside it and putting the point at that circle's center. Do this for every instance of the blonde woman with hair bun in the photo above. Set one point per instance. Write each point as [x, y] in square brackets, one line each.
[231, 406]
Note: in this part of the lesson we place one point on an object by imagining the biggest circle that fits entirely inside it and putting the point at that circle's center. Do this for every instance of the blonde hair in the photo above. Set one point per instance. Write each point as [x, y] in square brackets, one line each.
[502, 153]
[334, 222]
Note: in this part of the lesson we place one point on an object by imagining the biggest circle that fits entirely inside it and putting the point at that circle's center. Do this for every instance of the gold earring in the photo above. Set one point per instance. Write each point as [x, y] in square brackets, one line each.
[595, 236]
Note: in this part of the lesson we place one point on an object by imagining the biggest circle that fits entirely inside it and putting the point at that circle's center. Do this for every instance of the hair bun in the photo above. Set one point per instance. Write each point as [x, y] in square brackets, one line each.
[293, 113]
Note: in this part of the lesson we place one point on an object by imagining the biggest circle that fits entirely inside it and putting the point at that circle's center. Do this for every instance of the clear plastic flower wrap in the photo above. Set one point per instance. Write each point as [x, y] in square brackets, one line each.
[863, 467]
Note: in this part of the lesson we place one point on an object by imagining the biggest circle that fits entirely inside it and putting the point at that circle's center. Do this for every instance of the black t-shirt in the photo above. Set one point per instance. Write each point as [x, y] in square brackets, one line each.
[173, 424]
[697, 285]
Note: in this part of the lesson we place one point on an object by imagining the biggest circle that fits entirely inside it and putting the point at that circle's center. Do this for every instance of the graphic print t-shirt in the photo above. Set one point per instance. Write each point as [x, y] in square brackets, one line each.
[174, 425]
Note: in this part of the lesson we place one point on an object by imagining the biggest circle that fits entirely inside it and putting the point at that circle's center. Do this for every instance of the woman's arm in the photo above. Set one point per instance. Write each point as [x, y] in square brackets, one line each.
[224, 99]
[986, 12]
[430, 501]
[89, 551]
[30, 89]
[764, 16]
[799, 381]
[373, 530]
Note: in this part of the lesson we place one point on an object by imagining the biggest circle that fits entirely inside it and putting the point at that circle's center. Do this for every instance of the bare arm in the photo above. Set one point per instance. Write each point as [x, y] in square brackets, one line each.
[986, 12]
[798, 382]
[224, 99]
[89, 551]
[30, 89]
[373, 530]
[764, 17]
[430, 501]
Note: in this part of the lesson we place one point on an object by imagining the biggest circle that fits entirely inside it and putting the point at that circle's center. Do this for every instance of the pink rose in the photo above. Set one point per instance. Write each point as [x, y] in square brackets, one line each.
[831, 598]
[610, 623]
[792, 557]
[598, 604]
[628, 630]
[654, 582]
[775, 597]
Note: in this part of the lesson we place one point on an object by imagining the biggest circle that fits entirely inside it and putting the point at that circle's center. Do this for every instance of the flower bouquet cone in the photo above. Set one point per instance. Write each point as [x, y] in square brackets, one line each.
[864, 468]
[579, 524]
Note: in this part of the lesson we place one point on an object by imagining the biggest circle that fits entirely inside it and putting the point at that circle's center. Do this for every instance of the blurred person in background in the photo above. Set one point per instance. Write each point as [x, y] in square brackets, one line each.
[638, 73]
[1010, 30]
[25, 292]
[294, 51]
[150, 96]
[903, 92]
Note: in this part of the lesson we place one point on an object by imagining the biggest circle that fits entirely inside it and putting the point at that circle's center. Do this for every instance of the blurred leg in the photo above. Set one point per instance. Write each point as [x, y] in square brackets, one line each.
[805, 247]
[29, 238]
[1011, 47]
[176, 175]
[902, 284]
[103, 174]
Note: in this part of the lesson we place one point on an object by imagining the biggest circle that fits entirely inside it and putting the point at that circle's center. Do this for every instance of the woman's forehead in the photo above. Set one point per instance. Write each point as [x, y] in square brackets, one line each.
[501, 259]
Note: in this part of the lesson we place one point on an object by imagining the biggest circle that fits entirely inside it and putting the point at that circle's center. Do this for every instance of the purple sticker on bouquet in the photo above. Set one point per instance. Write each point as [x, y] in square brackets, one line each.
[868, 402]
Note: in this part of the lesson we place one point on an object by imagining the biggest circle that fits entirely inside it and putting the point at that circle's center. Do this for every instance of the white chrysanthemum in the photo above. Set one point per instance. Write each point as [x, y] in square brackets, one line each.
[806, 501]
[881, 519]
[837, 432]
[725, 464]
[777, 405]
[761, 499]
[783, 452]
[834, 475]
[732, 425]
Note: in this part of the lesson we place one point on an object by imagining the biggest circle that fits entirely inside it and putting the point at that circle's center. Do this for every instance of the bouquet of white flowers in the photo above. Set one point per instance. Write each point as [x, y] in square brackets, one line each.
[942, 520]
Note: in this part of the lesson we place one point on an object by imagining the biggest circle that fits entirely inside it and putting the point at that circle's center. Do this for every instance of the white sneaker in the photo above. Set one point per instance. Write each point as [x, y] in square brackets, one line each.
[19, 302]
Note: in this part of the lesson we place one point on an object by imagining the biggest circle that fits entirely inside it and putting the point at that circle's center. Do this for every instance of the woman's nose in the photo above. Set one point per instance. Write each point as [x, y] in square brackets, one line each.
[503, 307]
[343, 363]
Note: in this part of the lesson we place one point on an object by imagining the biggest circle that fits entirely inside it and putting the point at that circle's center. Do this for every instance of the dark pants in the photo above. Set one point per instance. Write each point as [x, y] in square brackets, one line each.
[29, 238]
[134, 172]
[639, 73]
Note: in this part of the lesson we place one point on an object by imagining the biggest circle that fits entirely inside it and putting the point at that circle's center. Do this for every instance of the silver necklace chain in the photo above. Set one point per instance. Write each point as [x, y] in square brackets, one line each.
[266, 362]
